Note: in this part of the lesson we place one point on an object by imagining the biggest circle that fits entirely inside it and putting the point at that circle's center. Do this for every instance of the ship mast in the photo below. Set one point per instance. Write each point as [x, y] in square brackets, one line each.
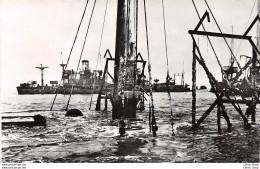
[63, 69]
[182, 75]
[41, 68]
[232, 50]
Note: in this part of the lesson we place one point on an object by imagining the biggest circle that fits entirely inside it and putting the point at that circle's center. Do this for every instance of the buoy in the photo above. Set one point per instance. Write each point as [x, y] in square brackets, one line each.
[39, 120]
[73, 113]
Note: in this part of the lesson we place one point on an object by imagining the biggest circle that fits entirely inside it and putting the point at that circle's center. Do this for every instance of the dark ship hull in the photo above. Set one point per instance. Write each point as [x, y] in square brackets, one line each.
[35, 90]
[161, 87]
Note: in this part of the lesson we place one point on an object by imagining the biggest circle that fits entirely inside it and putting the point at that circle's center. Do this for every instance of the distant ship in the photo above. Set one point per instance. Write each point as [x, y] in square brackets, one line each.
[203, 87]
[83, 82]
[162, 87]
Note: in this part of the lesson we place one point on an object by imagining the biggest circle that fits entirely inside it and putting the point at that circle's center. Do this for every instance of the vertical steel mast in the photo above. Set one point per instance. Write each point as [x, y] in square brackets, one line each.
[121, 43]
[124, 98]
[41, 68]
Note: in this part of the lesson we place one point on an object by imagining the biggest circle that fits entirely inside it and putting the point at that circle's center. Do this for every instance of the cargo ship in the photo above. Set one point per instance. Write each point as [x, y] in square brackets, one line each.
[162, 87]
[83, 82]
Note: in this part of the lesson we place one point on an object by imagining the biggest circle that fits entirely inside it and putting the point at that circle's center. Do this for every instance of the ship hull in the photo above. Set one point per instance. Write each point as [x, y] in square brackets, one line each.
[31, 91]
[173, 88]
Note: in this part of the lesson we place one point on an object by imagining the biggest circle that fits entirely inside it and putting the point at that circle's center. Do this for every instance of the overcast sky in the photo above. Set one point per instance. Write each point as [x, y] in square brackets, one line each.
[35, 32]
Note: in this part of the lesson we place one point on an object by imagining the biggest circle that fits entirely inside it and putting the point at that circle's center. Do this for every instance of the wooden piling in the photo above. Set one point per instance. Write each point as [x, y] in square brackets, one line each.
[209, 110]
[106, 99]
[98, 104]
[219, 119]
[224, 113]
[194, 86]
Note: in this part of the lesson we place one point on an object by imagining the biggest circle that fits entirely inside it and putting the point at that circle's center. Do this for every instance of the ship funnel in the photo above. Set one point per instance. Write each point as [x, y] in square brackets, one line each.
[85, 65]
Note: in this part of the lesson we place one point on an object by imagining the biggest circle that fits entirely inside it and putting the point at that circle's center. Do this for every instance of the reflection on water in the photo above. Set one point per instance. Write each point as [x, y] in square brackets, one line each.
[95, 138]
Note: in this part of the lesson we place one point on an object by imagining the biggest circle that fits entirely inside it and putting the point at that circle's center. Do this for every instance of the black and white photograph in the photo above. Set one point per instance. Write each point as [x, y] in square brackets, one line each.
[174, 83]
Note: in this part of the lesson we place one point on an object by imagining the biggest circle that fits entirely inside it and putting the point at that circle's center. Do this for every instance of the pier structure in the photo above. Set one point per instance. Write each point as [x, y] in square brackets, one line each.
[223, 90]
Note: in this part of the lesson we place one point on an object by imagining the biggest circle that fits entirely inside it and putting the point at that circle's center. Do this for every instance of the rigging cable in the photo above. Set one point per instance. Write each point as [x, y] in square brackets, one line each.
[81, 52]
[56, 92]
[151, 107]
[168, 74]
[232, 54]
[215, 81]
[99, 55]
[211, 45]
[240, 43]
[208, 37]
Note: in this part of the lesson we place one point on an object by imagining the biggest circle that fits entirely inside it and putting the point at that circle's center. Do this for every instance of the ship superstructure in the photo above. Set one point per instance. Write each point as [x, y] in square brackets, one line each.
[83, 82]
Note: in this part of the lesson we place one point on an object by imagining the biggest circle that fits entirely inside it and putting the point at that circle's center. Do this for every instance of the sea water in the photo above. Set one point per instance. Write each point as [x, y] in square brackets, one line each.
[94, 137]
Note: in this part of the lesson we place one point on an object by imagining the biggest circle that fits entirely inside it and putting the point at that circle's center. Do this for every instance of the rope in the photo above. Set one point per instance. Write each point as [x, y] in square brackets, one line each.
[210, 75]
[208, 37]
[212, 80]
[151, 107]
[70, 52]
[232, 54]
[212, 46]
[246, 27]
[82, 51]
[167, 61]
[99, 55]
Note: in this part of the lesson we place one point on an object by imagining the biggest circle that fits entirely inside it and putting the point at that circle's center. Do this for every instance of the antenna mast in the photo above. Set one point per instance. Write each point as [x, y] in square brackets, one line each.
[182, 75]
[63, 68]
[232, 50]
[41, 68]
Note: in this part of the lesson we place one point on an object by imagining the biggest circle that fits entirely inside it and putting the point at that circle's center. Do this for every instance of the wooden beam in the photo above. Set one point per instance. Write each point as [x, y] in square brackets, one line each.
[194, 86]
[238, 101]
[209, 110]
[246, 124]
[221, 35]
[110, 75]
[206, 14]
[219, 119]
[252, 24]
